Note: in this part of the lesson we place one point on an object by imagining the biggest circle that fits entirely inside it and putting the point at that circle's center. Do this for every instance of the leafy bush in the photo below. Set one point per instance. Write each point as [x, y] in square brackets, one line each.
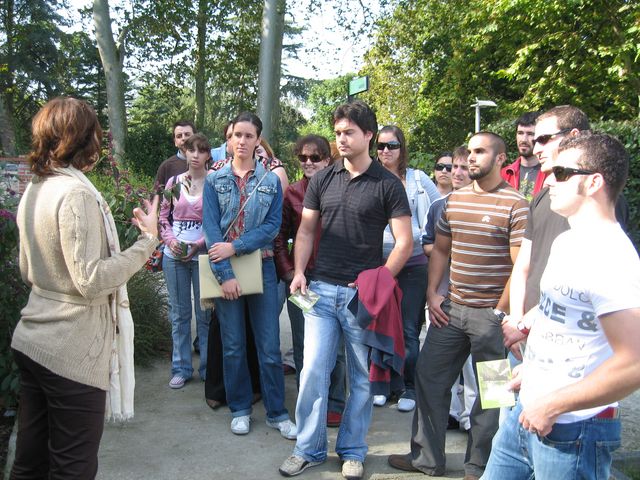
[123, 191]
[13, 296]
[148, 296]
[147, 147]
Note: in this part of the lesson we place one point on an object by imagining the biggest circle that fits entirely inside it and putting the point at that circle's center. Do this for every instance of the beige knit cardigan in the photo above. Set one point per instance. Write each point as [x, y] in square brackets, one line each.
[64, 254]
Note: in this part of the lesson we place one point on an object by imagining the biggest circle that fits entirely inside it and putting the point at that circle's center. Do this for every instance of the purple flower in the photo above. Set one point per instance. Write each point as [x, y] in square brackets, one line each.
[7, 214]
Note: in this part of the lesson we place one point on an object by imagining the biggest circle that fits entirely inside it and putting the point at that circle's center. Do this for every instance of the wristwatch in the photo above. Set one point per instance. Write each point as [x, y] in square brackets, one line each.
[522, 328]
[499, 313]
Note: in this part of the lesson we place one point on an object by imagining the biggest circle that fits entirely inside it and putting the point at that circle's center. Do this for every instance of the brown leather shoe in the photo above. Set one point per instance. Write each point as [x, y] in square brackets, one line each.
[214, 404]
[402, 462]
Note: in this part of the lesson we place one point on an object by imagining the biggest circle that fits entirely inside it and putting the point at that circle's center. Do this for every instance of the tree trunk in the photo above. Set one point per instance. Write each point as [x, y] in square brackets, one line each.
[112, 57]
[7, 132]
[201, 79]
[269, 66]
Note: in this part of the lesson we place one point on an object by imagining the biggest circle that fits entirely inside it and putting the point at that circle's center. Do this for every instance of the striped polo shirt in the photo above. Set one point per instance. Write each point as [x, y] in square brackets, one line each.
[482, 226]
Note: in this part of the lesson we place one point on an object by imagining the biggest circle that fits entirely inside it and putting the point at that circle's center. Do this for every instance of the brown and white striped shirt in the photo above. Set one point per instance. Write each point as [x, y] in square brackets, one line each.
[482, 226]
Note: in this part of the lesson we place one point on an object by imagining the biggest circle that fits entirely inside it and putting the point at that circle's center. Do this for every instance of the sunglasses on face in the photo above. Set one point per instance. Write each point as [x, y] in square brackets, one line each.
[443, 166]
[544, 139]
[563, 174]
[388, 145]
[315, 158]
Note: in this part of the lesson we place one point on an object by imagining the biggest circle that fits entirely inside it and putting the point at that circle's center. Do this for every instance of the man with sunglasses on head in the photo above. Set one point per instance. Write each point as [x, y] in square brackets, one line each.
[582, 352]
[479, 232]
[442, 173]
[525, 174]
[544, 225]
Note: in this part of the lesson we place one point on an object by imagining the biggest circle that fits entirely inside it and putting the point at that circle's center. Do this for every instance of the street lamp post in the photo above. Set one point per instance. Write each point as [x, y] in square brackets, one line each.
[478, 105]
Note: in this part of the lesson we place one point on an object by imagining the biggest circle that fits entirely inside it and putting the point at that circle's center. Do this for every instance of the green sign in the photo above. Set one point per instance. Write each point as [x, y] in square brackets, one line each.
[358, 84]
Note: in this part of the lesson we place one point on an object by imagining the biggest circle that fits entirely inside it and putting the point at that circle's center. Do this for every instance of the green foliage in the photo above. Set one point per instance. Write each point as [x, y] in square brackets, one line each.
[124, 190]
[432, 59]
[324, 97]
[13, 296]
[628, 132]
[148, 296]
[39, 61]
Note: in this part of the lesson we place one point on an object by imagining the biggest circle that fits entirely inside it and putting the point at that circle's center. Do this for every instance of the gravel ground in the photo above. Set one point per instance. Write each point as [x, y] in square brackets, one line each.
[631, 422]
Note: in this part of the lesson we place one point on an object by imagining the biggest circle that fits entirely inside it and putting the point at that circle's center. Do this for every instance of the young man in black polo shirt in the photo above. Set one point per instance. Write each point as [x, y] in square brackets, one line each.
[354, 199]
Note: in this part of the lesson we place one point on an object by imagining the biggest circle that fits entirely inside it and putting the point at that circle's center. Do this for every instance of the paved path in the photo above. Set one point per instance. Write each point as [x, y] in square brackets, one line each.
[175, 435]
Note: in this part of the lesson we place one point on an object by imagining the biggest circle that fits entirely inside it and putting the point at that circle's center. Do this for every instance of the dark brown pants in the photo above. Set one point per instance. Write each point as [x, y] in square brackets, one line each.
[60, 425]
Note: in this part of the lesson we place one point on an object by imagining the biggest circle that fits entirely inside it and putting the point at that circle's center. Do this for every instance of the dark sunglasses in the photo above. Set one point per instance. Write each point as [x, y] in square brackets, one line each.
[315, 158]
[544, 139]
[563, 174]
[389, 145]
[443, 166]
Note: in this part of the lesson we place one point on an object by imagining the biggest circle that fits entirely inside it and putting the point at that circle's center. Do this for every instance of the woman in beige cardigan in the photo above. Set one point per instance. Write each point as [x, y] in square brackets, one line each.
[66, 345]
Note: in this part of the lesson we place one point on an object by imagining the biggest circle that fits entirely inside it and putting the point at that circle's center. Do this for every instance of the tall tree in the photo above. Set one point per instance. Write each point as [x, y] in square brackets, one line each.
[523, 54]
[112, 54]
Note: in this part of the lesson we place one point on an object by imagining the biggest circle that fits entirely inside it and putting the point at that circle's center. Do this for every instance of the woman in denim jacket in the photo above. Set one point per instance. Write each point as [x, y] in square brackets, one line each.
[225, 192]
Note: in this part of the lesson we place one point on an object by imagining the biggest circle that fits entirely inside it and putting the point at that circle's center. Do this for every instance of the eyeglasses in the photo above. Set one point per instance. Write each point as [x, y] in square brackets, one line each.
[443, 166]
[563, 174]
[544, 139]
[315, 158]
[389, 145]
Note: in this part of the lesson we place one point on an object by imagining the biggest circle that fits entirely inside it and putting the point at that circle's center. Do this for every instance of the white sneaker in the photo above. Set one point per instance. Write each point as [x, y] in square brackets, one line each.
[352, 469]
[406, 404]
[287, 428]
[241, 425]
[379, 400]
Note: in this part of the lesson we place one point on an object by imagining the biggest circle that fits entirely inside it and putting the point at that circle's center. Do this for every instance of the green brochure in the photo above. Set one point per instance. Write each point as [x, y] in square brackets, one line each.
[493, 379]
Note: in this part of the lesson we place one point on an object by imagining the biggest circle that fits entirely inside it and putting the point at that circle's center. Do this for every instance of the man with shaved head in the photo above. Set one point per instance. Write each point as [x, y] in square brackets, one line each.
[480, 230]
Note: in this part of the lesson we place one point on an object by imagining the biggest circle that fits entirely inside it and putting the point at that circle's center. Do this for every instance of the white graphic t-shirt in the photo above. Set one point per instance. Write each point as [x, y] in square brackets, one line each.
[590, 272]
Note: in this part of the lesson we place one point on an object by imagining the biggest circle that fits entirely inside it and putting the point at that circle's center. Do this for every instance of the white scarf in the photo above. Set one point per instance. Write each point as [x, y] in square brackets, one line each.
[121, 369]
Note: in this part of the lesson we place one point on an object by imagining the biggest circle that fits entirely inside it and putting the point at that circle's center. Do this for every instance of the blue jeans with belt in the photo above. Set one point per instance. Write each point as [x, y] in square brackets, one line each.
[578, 450]
[264, 317]
[338, 387]
[329, 320]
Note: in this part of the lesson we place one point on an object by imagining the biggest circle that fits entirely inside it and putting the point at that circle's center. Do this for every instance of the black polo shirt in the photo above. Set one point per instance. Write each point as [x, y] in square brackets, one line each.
[354, 213]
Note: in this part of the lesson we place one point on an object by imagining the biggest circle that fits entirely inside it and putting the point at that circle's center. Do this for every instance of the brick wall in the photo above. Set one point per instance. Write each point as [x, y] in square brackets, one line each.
[24, 174]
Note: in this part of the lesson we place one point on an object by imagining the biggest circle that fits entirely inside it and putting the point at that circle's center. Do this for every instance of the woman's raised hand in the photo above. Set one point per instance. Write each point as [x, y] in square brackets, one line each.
[147, 221]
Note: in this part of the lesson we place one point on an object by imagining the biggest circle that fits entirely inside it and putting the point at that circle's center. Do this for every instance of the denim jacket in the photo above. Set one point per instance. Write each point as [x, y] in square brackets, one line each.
[262, 214]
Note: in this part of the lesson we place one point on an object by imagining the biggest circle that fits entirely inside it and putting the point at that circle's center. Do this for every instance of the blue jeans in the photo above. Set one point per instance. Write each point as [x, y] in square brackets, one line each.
[413, 283]
[180, 276]
[579, 450]
[324, 325]
[338, 387]
[264, 318]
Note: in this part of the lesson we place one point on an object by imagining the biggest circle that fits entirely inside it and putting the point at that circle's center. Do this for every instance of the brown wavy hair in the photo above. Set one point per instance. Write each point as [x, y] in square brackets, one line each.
[65, 132]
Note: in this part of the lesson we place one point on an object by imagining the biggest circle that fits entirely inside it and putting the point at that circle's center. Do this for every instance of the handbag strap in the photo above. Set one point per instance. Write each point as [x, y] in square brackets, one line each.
[244, 205]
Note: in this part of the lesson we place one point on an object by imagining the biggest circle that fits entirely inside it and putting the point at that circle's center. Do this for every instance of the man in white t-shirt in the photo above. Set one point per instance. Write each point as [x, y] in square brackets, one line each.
[582, 351]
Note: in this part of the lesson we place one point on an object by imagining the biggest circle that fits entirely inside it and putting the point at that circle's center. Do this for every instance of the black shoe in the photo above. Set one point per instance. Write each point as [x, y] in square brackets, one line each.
[453, 424]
